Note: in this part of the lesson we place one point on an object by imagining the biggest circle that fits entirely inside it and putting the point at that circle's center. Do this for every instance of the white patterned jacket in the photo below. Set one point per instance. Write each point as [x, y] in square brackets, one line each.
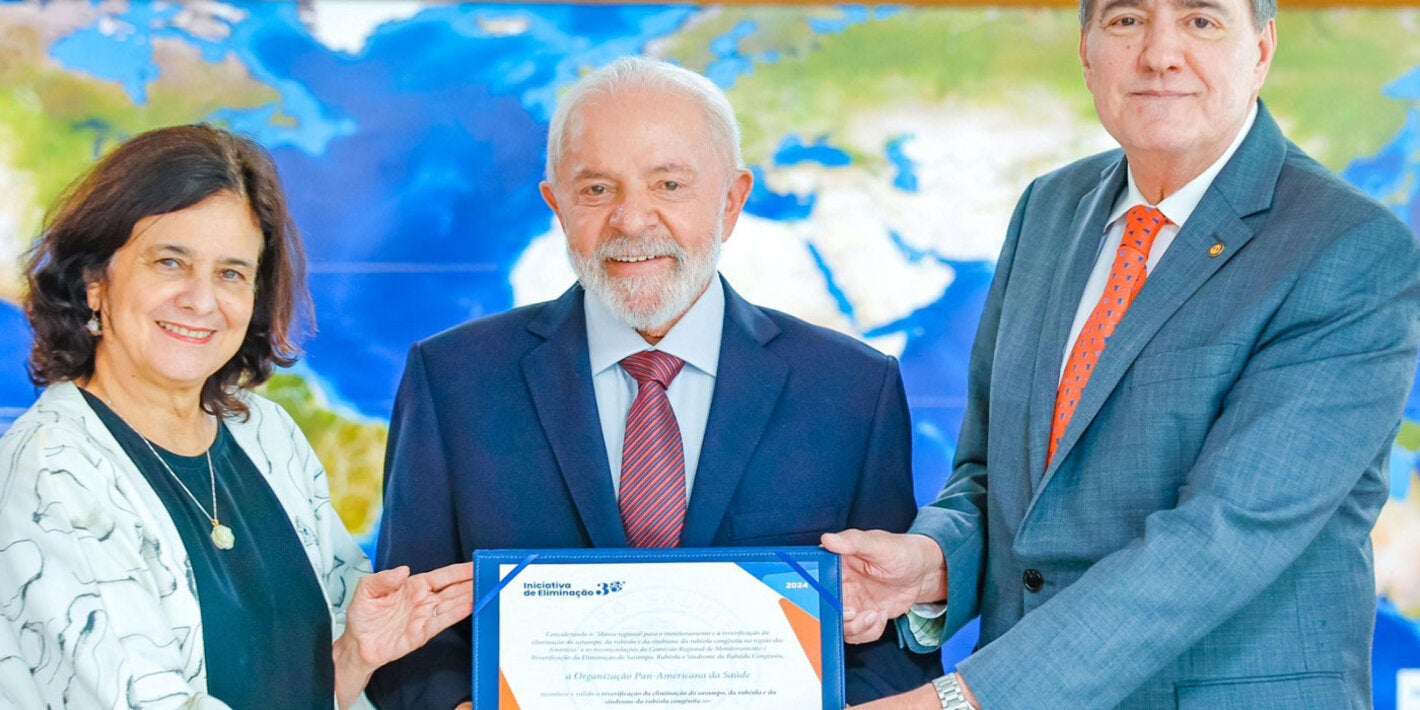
[98, 604]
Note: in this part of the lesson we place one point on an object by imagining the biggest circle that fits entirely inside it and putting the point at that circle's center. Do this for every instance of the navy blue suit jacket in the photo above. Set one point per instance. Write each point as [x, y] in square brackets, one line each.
[495, 442]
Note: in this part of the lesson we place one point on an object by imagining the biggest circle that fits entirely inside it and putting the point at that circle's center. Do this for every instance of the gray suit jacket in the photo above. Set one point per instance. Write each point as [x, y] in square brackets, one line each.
[1201, 538]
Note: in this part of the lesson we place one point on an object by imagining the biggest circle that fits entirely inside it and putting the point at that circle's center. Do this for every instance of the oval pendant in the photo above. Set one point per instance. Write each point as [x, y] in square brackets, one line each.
[222, 537]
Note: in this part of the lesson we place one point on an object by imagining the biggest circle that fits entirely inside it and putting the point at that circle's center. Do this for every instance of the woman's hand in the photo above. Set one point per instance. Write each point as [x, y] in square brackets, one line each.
[393, 613]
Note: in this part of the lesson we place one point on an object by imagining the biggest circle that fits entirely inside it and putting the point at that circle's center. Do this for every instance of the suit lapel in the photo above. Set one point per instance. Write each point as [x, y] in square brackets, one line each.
[1244, 187]
[559, 378]
[1082, 244]
[749, 382]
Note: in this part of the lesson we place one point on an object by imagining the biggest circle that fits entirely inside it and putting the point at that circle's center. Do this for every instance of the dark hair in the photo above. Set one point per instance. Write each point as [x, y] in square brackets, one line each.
[162, 171]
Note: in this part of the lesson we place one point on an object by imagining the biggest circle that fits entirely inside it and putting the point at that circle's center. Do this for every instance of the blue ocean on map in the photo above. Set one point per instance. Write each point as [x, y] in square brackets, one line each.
[413, 162]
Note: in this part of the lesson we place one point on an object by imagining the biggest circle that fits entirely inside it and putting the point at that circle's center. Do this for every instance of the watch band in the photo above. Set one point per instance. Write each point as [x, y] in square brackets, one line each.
[950, 694]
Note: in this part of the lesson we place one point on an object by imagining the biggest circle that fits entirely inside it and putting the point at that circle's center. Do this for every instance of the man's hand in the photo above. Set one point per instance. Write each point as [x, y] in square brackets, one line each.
[884, 574]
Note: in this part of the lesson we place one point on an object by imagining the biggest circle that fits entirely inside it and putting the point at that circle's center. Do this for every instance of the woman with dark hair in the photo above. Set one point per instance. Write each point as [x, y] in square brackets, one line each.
[166, 536]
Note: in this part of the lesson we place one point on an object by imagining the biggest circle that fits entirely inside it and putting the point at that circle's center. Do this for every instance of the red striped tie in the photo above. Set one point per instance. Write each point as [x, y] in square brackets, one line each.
[652, 459]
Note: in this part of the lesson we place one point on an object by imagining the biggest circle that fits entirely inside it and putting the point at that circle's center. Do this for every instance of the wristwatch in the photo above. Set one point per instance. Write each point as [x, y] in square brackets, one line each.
[949, 692]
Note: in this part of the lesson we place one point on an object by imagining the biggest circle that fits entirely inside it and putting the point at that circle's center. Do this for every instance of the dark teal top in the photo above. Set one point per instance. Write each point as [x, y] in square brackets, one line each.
[265, 624]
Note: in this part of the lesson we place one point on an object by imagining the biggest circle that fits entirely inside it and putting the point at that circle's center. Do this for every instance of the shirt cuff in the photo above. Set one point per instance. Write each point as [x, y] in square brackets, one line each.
[929, 610]
[925, 624]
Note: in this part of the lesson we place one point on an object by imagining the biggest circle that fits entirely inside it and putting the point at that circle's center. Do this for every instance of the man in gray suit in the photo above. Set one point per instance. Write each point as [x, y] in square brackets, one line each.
[1182, 397]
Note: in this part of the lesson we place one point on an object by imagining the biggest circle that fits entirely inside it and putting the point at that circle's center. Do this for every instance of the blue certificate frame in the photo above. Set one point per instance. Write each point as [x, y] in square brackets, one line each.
[604, 627]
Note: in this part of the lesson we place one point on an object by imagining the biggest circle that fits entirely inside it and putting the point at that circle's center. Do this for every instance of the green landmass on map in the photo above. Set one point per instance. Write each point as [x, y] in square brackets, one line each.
[56, 122]
[913, 58]
[1326, 83]
[352, 452]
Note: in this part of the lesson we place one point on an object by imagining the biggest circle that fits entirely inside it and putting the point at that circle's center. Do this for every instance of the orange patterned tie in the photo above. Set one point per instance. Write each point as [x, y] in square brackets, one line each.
[1126, 277]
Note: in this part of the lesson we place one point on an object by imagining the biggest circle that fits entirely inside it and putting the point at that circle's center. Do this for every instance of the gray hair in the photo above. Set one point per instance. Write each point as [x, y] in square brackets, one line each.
[633, 74]
[1262, 11]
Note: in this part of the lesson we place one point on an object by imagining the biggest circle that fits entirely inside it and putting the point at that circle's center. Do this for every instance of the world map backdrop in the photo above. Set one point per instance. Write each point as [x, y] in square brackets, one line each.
[889, 145]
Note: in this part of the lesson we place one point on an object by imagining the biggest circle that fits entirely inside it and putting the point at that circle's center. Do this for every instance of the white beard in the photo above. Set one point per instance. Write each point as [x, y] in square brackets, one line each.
[648, 302]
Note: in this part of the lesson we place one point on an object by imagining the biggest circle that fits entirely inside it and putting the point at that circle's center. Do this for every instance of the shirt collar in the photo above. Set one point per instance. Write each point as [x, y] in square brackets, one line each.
[695, 338]
[1179, 206]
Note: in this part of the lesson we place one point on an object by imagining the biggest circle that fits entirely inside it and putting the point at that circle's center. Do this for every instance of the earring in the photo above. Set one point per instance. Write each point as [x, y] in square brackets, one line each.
[93, 326]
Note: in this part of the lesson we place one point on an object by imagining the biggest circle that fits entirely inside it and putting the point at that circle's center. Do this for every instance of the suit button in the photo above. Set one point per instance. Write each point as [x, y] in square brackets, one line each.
[1033, 580]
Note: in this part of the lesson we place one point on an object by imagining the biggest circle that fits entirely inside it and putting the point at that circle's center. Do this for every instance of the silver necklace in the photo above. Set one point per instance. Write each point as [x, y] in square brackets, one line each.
[222, 535]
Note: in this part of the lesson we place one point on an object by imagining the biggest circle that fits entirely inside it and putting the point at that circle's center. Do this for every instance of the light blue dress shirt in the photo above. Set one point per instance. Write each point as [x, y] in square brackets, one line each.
[694, 339]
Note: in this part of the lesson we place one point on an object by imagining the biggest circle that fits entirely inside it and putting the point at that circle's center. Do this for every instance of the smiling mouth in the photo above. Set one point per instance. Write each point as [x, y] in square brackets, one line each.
[194, 334]
[634, 259]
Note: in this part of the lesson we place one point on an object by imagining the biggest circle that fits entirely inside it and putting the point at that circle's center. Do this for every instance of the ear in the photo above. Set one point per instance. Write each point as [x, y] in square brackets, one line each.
[550, 197]
[1266, 49]
[1084, 51]
[94, 293]
[740, 187]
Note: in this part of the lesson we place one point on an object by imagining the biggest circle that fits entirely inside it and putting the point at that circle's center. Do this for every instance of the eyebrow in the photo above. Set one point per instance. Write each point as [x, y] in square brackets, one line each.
[673, 168]
[589, 174]
[171, 249]
[184, 251]
[234, 261]
[1113, 5]
[1213, 5]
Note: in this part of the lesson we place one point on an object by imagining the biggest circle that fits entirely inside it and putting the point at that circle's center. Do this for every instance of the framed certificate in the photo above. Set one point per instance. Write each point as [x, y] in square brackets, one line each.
[742, 628]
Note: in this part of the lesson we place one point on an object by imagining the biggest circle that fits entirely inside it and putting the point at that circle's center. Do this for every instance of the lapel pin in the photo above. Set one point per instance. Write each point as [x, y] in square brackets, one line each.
[1215, 250]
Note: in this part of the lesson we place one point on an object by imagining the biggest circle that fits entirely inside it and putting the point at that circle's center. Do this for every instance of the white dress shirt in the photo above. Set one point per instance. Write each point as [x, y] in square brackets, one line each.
[1178, 207]
[695, 338]
[928, 624]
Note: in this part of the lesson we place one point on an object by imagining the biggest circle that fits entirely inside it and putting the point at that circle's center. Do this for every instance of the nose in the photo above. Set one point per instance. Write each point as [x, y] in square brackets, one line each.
[198, 293]
[633, 213]
[1162, 49]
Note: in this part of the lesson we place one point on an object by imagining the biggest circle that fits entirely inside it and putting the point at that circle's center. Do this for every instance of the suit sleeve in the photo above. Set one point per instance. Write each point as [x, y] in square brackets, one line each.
[884, 497]
[884, 500]
[1316, 406]
[957, 518]
[420, 529]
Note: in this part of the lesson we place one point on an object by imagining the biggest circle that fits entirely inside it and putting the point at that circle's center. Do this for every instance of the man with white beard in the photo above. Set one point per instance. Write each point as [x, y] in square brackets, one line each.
[650, 405]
